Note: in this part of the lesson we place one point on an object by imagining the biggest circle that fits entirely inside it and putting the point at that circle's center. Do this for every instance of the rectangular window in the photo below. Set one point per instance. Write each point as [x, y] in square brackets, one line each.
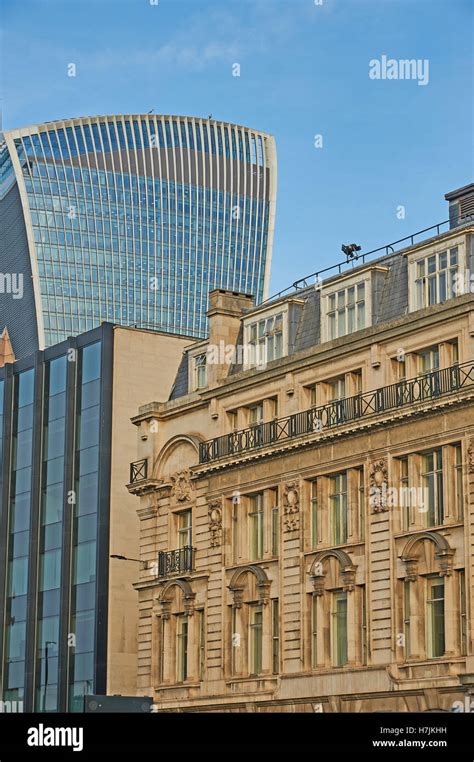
[233, 420]
[399, 368]
[256, 527]
[432, 479]
[275, 530]
[435, 618]
[235, 531]
[453, 347]
[184, 530]
[339, 629]
[363, 624]
[202, 643]
[275, 637]
[429, 360]
[314, 631]
[200, 372]
[182, 648]
[337, 389]
[458, 485]
[361, 503]
[256, 414]
[406, 617]
[435, 277]
[346, 311]
[338, 508]
[256, 631]
[462, 613]
[314, 512]
[404, 497]
[266, 340]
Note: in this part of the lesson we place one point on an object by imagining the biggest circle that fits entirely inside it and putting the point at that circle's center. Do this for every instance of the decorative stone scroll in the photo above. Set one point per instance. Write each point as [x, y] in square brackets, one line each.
[291, 506]
[378, 486]
[214, 511]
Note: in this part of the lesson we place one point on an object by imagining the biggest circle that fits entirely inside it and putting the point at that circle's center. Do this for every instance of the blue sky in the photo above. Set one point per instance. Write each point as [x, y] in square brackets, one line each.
[304, 72]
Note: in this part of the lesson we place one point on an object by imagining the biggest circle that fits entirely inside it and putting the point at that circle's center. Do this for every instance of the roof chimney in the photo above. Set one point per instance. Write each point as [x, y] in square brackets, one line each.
[461, 205]
[225, 311]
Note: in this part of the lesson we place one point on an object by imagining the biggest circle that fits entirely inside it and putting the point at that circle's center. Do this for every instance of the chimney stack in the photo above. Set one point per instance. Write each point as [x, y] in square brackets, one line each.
[226, 309]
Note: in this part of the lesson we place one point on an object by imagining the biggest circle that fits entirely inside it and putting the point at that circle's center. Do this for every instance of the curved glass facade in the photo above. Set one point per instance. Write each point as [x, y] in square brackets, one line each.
[134, 219]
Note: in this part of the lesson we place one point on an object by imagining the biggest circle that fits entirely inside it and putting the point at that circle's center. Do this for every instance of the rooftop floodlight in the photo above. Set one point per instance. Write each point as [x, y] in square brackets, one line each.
[350, 249]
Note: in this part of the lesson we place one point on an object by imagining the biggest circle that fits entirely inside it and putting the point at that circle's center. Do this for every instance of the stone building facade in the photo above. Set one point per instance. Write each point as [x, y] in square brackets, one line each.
[307, 503]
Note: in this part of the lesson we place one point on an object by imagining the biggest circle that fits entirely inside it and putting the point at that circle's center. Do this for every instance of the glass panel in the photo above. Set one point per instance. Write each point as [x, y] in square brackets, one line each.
[256, 527]
[184, 529]
[339, 629]
[256, 626]
[435, 618]
[341, 323]
[182, 648]
[314, 514]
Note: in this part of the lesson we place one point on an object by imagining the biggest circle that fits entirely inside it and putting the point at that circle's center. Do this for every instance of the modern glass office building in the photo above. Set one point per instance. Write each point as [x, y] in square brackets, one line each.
[68, 613]
[131, 219]
[55, 409]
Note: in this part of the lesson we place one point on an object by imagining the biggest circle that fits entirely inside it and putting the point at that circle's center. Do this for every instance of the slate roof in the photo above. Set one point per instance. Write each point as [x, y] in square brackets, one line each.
[181, 383]
[390, 303]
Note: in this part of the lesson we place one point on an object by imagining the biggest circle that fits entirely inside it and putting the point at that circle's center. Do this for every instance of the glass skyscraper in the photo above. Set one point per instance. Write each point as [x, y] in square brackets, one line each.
[131, 219]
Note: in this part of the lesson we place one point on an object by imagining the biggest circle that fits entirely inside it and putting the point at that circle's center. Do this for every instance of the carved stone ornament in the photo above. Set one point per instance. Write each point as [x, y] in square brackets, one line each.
[318, 585]
[378, 484]
[214, 511]
[238, 597]
[263, 592]
[182, 488]
[291, 506]
[189, 603]
[470, 455]
[411, 566]
[445, 559]
[348, 575]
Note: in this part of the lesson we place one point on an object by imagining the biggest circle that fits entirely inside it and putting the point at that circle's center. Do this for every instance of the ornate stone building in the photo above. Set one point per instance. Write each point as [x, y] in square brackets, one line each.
[307, 500]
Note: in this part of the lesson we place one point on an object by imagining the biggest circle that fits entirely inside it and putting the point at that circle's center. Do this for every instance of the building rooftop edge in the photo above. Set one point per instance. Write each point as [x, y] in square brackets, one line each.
[95, 117]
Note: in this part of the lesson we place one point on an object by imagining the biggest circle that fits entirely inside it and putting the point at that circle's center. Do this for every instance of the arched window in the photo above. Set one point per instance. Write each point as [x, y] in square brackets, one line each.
[432, 600]
[253, 629]
[336, 618]
[179, 641]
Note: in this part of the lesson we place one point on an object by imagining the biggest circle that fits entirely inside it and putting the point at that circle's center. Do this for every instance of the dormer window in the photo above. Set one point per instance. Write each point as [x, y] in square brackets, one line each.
[266, 335]
[346, 311]
[200, 372]
[439, 272]
[435, 278]
[266, 339]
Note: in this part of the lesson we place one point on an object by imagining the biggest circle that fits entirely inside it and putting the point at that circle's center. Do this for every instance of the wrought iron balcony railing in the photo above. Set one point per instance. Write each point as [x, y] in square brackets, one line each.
[138, 471]
[175, 561]
[432, 385]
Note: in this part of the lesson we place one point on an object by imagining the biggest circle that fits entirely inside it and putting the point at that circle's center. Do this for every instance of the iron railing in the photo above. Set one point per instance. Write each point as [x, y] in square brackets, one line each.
[138, 471]
[175, 561]
[432, 385]
[340, 267]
